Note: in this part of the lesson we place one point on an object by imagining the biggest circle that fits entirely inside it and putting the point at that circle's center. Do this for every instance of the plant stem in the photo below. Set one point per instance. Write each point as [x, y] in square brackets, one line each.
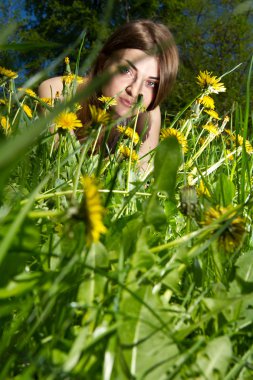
[59, 165]
[131, 149]
[78, 170]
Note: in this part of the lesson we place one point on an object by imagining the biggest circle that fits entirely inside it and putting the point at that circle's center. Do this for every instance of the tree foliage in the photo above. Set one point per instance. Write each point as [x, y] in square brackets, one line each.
[211, 36]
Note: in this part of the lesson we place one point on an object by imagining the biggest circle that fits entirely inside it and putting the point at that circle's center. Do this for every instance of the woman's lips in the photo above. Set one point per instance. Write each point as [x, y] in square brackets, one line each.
[127, 103]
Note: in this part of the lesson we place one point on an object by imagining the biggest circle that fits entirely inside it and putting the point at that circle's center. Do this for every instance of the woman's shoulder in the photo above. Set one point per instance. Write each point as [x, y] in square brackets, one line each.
[49, 87]
[152, 118]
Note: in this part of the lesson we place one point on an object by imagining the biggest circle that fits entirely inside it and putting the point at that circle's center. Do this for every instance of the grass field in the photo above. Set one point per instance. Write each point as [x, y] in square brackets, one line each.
[111, 273]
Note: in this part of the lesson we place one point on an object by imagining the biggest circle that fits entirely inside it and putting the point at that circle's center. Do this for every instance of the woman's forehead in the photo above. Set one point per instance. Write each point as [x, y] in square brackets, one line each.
[138, 59]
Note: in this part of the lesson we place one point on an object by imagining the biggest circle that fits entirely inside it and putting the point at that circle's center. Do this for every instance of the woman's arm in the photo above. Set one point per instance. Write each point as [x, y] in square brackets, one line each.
[149, 125]
[50, 87]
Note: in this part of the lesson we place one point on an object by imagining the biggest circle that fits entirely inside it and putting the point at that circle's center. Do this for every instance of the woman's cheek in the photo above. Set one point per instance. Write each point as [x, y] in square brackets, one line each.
[112, 88]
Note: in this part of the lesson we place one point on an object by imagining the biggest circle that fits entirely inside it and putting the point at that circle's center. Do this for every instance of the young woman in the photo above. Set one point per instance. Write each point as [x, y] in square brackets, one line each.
[143, 59]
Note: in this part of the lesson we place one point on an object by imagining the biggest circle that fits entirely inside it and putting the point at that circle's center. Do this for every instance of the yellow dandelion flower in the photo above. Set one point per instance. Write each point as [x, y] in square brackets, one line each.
[125, 152]
[207, 102]
[5, 125]
[48, 101]
[66, 60]
[232, 227]
[167, 132]
[27, 110]
[67, 120]
[191, 176]
[108, 100]
[69, 78]
[228, 132]
[203, 190]
[129, 132]
[226, 119]
[8, 73]
[248, 146]
[202, 140]
[229, 155]
[93, 210]
[28, 91]
[98, 115]
[213, 114]
[239, 139]
[182, 122]
[211, 128]
[210, 83]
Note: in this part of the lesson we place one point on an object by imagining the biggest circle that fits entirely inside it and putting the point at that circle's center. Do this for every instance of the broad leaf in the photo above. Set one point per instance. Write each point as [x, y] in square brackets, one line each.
[152, 349]
[167, 160]
[213, 361]
[224, 191]
[245, 267]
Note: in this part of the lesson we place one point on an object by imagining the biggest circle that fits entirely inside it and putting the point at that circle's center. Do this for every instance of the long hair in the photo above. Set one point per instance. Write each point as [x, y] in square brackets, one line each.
[154, 39]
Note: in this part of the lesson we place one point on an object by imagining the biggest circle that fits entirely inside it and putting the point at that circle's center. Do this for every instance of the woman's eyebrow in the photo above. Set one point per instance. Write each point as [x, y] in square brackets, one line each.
[135, 68]
[131, 64]
[155, 78]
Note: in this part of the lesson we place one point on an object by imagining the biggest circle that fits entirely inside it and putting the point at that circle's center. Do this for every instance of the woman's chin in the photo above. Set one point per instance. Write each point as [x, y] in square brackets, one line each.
[123, 113]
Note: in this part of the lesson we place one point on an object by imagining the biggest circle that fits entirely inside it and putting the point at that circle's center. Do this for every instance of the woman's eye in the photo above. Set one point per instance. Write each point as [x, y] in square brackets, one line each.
[124, 69]
[152, 84]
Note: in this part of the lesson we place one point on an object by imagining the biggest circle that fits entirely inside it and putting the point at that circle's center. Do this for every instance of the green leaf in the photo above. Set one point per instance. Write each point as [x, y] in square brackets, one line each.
[154, 213]
[109, 358]
[173, 278]
[92, 288]
[58, 357]
[244, 266]
[167, 161]
[76, 349]
[98, 256]
[152, 349]
[85, 341]
[224, 190]
[130, 232]
[21, 284]
[15, 226]
[214, 359]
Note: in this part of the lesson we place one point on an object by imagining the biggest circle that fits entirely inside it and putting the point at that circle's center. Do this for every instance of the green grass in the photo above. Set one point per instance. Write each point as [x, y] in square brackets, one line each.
[166, 292]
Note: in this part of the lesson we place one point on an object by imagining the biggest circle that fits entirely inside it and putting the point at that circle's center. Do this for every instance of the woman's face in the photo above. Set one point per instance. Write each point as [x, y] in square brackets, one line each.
[135, 73]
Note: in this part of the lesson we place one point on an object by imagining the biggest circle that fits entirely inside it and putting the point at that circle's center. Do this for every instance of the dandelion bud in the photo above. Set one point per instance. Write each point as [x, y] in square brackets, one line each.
[188, 200]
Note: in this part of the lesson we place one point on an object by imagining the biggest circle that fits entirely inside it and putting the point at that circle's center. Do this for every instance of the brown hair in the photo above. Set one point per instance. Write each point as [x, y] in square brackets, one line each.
[152, 38]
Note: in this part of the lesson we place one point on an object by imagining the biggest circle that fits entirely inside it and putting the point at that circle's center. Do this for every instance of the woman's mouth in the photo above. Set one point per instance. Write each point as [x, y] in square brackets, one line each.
[127, 103]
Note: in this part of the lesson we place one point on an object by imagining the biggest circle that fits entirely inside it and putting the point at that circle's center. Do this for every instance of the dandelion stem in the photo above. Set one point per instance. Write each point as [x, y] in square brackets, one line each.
[59, 164]
[78, 171]
[59, 157]
[43, 214]
[95, 143]
[131, 149]
[178, 116]
[70, 192]
[230, 71]
[182, 240]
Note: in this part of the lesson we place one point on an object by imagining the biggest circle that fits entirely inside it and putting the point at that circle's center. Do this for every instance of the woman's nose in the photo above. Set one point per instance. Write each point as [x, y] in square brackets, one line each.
[134, 88]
